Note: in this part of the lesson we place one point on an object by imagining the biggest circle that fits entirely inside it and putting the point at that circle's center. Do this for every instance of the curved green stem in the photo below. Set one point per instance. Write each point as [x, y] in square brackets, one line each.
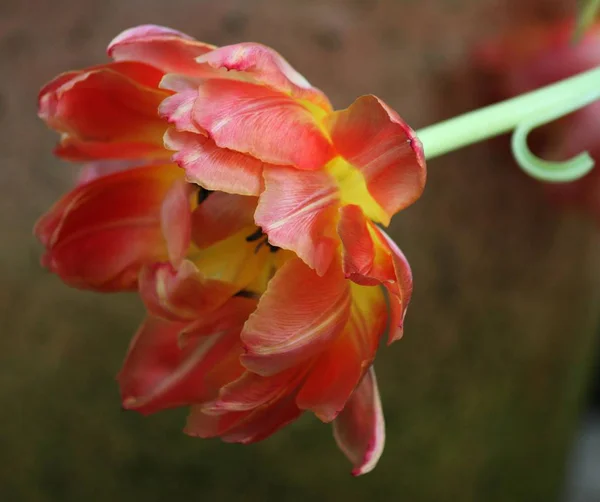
[556, 172]
[522, 113]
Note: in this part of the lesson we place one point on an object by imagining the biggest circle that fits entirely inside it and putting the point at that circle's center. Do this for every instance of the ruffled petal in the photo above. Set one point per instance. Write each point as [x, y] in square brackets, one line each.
[94, 170]
[268, 67]
[370, 257]
[181, 294]
[169, 50]
[178, 108]
[99, 235]
[373, 139]
[264, 422]
[207, 425]
[212, 167]
[340, 368]
[262, 122]
[400, 288]
[176, 220]
[251, 391]
[160, 373]
[297, 317]
[359, 430]
[298, 210]
[243, 427]
[109, 111]
[231, 314]
[220, 216]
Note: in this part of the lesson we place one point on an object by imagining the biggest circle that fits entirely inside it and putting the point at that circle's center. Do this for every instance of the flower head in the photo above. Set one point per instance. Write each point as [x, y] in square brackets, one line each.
[251, 234]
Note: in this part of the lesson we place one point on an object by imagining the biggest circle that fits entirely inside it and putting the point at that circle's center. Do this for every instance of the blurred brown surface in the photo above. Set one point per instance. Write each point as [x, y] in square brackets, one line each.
[480, 397]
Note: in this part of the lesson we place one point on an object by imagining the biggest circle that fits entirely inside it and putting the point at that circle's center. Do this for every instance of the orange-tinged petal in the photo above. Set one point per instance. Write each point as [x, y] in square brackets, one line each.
[109, 111]
[205, 425]
[298, 316]
[176, 220]
[169, 50]
[153, 353]
[212, 167]
[231, 314]
[400, 288]
[220, 216]
[370, 257]
[340, 368]
[262, 122]
[243, 426]
[140, 73]
[75, 150]
[298, 210]
[373, 138]
[99, 235]
[181, 294]
[359, 430]
[158, 373]
[358, 246]
[264, 422]
[268, 67]
[177, 109]
[252, 390]
[94, 170]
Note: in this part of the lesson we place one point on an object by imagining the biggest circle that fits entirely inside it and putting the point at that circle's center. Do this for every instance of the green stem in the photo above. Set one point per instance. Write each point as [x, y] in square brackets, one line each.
[505, 116]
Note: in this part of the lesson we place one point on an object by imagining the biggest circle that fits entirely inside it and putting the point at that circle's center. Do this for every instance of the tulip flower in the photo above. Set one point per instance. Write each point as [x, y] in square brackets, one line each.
[536, 55]
[251, 234]
[100, 234]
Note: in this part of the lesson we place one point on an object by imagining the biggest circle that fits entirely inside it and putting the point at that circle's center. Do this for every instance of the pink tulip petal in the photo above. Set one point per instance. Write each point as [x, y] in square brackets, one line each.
[100, 234]
[169, 50]
[212, 167]
[208, 425]
[243, 426]
[95, 170]
[252, 390]
[358, 245]
[264, 123]
[159, 374]
[264, 422]
[297, 317]
[183, 293]
[178, 110]
[400, 289]
[176, 220]
[298, 210]
[109, 111]
[370, 257]
[268, 67]
[359, 430]
[337, 372]
[374, 139]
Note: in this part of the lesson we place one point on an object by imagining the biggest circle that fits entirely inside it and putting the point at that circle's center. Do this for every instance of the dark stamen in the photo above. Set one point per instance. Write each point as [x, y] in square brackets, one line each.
[203, 194]
[260, 245]
[255, 236]
[244, 293]
[258, 234]
[265, 242]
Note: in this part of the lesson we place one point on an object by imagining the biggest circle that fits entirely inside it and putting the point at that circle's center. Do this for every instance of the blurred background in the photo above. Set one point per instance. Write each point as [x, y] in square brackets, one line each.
[488, 396]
